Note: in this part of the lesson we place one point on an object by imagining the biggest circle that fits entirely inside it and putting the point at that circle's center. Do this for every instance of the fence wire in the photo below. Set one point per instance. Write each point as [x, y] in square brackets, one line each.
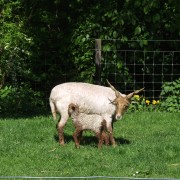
[131, 69]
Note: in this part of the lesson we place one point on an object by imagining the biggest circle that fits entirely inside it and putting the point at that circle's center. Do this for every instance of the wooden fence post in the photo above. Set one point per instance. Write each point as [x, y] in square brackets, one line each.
[98, 61]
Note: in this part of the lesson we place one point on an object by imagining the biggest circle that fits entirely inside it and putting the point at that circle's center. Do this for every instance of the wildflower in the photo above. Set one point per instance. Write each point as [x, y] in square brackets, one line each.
[154, 102]
[147, 102]
[137, 97]
[157, 101]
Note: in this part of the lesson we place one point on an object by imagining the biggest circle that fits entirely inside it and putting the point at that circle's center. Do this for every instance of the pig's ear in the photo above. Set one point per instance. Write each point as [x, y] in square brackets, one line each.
[72, 107]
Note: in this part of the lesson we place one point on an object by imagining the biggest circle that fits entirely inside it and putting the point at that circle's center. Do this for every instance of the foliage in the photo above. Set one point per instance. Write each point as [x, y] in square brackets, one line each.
[169, 101]
[139, 103]
[171, 96]
[47, 24]
[15, 45]
[20, 101]
[44, 43]
[4, 94]
[16, 94]
[128, 20]
[83, 57]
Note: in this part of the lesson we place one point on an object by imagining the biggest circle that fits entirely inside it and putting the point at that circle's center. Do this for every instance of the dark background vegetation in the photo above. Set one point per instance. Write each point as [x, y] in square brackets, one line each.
[44, 43]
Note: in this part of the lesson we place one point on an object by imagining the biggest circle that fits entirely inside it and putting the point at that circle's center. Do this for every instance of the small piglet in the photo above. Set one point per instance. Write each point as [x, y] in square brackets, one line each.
[93, 122]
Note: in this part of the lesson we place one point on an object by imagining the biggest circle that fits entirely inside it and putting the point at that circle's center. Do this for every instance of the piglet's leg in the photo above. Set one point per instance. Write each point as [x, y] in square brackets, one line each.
[105, 137]
[77, 136]
[111, 137]
[100, 139]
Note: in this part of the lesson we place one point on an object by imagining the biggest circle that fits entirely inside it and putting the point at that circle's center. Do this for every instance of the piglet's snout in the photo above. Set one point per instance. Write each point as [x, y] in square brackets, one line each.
[118, 117]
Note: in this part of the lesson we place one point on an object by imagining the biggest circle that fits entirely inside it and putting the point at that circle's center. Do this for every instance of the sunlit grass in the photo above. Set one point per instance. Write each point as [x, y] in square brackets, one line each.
[147, 146]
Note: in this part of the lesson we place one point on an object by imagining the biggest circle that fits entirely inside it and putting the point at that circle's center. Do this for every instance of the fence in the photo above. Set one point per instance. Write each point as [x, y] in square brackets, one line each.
[154, 63]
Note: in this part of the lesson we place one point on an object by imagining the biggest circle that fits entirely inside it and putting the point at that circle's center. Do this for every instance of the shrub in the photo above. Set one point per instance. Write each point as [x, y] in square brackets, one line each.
[139, 103]
[170, 96]
[169, 99]
[20, 100]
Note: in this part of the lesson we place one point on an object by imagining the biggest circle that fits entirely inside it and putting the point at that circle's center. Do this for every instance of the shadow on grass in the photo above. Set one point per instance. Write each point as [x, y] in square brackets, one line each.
[29, 115]
[90, 140]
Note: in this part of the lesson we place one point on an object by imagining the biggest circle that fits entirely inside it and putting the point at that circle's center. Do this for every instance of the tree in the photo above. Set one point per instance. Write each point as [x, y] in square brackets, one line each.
[44, 43]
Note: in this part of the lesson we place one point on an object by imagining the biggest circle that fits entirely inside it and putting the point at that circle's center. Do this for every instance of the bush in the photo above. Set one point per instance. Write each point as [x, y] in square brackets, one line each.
[169, 99]
[139, 103]
[20, 100]
[170, 96]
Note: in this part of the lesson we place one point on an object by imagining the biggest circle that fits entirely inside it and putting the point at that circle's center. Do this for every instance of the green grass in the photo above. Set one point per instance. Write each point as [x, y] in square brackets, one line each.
[147, 143]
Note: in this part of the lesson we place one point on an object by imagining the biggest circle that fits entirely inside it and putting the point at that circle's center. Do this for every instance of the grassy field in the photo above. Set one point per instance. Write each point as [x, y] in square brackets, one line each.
[148, 145]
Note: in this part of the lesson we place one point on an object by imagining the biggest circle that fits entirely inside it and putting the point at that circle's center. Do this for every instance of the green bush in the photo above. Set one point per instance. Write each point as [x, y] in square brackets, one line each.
[20, 100]
[139, 103]
[170, 96]
[169, 99]
[4, 100]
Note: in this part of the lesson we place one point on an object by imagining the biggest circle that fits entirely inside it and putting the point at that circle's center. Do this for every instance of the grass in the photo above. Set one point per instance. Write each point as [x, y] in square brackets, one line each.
[148, 145]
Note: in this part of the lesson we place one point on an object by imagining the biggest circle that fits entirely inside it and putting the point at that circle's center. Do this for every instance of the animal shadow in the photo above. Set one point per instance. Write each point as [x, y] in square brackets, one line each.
[86, 140]
[67, 138]
[90, 140]
[121, 141]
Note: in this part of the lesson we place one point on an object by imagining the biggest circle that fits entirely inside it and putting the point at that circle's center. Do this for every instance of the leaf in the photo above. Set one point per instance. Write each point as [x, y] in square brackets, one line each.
[145, 42]
[83, 39]
[137, 30]
[122, 22]
[119, 65]
[106, 48]
[124, 38]
[146, 10]
[87, 36]
[115, 34]
[156, 18]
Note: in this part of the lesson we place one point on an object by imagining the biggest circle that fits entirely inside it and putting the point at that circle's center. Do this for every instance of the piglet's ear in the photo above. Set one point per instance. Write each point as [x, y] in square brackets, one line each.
[129, 96]
[73, 107]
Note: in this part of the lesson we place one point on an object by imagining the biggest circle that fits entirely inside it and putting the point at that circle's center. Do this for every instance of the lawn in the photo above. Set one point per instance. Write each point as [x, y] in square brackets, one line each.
[148, 146]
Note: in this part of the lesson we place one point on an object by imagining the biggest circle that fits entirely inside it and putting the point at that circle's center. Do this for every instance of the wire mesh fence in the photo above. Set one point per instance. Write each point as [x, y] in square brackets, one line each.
[128, 65]
[148, 66]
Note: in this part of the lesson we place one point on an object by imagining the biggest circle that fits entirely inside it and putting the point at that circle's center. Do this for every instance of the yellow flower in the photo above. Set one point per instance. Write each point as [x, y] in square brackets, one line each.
[137, 97]
[157, 101]
[147, 102]
[154, 102]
